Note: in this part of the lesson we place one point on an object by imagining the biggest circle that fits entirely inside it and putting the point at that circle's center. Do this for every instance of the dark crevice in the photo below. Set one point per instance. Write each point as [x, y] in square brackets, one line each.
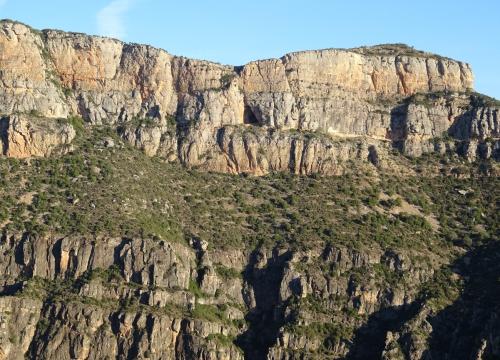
[373, 155]
[133, 351]
[11, 289]
[56, 253]
[83, 110]
[184, 348]
[154, 112]
[369, 340]
[238, 70]
[461, 128]
[4, 128]
[220, 137]
[292, 162]
[268, 316]
[398, 128]
[117, 258]
[200, 269]
[44, 326]
[23, 251]
[114, 321]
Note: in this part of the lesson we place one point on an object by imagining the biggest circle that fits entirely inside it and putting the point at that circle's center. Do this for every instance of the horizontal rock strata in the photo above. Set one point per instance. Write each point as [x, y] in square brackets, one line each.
[365, 93]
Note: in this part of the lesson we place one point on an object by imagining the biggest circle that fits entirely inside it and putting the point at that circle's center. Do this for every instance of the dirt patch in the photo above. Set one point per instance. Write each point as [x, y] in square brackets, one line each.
[27, 198]
[411, 209]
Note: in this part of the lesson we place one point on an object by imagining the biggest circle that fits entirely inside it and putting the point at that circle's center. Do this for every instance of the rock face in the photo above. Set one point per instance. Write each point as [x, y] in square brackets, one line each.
[328, 90]
[87, 328]
[18, 320]
[85, 332]
[95, 331]
[112, 81]
[24, 137]
[427, 121]
[88, 325]
[26, 76]
[190, 103]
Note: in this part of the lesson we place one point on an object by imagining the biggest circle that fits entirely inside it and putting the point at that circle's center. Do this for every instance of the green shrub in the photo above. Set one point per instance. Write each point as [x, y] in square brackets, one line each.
[208, 312]
[227, 273]
[194, 288]
[78, 124]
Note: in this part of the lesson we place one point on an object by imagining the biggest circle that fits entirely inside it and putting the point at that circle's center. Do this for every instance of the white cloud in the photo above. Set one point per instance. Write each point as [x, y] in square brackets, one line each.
[109, 18]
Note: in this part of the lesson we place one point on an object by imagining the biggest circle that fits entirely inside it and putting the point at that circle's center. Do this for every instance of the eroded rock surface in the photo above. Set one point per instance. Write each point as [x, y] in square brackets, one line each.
[24, 136]
[188, 104]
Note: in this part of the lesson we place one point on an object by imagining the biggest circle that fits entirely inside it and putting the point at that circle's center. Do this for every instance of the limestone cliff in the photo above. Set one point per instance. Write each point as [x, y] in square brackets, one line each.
[363, 93]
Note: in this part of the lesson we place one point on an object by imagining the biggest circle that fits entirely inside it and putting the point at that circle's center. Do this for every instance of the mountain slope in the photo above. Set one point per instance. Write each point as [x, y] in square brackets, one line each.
[133, 225]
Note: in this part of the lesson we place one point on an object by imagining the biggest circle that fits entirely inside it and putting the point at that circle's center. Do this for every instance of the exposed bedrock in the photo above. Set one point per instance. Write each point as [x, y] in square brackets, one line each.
[364, 94]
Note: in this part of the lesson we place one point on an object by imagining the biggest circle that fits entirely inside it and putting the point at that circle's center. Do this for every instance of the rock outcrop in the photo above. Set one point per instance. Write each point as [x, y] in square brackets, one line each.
[24, 136]
[18, 321]
[153, 280]
[430, 122]
[343, 94]
[108, 81]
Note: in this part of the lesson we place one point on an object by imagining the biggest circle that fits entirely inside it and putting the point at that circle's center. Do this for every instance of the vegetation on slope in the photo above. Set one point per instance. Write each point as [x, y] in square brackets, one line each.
[105, 187]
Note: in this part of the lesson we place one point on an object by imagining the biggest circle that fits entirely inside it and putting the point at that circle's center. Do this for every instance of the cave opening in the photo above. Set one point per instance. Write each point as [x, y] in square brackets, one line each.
[249, 117]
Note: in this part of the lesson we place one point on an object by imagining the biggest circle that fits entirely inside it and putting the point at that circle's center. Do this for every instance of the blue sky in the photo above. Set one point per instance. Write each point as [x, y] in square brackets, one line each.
[237, 31]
